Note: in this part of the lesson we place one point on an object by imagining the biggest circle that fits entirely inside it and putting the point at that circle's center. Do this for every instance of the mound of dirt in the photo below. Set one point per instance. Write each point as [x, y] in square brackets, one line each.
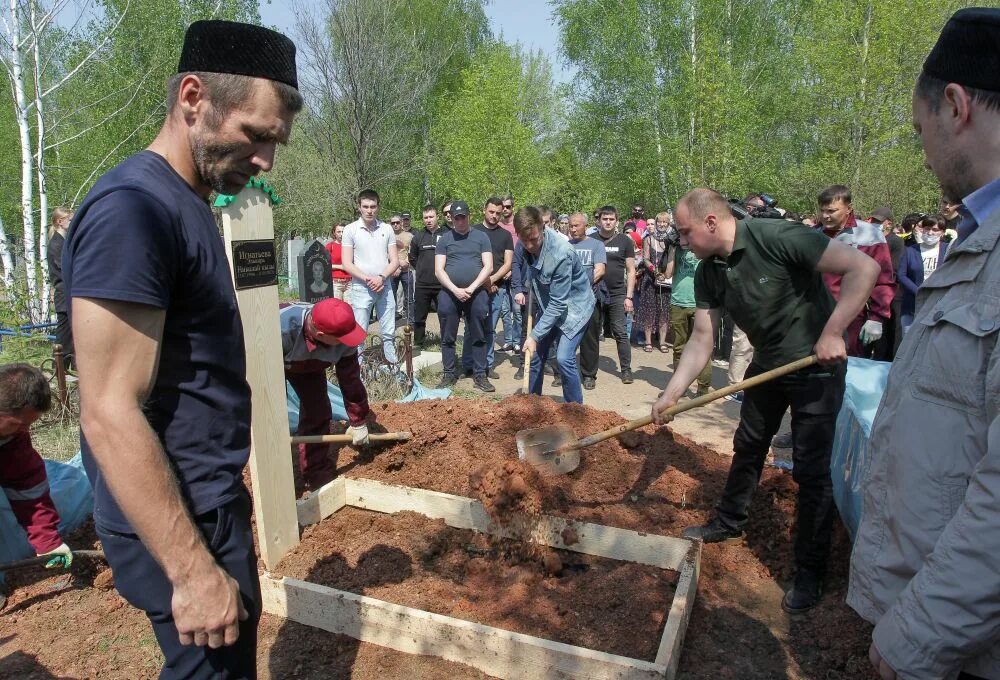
[656, 482]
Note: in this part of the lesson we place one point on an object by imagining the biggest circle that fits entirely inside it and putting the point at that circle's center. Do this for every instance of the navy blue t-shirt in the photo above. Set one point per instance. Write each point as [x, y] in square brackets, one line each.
[464, 253]
[143, 235]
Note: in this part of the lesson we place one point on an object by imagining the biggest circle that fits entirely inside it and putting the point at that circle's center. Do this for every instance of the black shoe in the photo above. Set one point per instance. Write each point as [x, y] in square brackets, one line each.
[519, 373]
[804, 594]
[467, 373]
[589, 383]
[627, 377]
[482, 383]
[507, 348]
[493, 375]
[447, 380]
[712, 532]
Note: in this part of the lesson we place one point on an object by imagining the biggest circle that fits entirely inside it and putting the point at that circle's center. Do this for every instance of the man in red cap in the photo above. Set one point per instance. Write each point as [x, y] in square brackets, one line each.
[312, 338]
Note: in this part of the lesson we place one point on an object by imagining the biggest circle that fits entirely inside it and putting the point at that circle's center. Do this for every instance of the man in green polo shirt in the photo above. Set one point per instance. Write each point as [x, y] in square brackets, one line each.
[767, 275]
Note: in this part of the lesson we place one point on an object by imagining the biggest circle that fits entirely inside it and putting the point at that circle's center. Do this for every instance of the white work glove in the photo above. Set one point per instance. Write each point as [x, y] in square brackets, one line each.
[871, 331]
[359, 435]
[62, 557]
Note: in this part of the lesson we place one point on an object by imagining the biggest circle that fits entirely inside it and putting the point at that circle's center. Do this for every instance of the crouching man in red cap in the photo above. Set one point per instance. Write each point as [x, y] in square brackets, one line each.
[312, 338]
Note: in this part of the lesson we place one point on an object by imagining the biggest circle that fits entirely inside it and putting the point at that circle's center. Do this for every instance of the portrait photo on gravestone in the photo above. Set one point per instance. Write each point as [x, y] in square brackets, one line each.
[315, 275]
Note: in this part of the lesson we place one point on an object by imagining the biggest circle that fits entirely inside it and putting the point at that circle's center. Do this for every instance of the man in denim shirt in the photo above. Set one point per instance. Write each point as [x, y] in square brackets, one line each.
[562, 287]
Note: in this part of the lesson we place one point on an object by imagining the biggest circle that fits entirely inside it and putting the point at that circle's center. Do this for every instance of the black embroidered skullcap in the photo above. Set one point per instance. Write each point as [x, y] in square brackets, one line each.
[243, 49]
[968, 50]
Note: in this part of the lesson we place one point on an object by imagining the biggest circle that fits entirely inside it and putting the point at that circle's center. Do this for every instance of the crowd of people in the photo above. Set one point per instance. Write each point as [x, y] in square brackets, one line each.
[165, 404]
[641, 275]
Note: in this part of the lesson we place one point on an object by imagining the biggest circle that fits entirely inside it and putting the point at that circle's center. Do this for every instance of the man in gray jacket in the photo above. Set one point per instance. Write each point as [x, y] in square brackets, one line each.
[925, 565]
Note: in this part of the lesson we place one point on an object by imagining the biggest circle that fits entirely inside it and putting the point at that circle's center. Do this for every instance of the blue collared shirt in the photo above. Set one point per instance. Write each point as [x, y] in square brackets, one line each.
[561, 285]
[977, 207]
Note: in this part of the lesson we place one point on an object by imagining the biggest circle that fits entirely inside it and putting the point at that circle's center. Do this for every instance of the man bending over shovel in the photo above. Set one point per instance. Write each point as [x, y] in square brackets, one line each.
[562, 287]
[24, 396]
[312, 338]
[766, 274]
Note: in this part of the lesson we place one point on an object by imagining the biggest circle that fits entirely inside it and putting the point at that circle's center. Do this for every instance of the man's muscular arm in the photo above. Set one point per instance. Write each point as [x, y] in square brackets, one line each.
[117, 349]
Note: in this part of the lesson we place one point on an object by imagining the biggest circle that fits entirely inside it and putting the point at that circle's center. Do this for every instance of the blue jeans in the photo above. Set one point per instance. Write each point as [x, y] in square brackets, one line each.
[362, 300]
[513, 317]
[404, 302]
[141, 581]
[511, 336]
[497, 302]
[565, 359]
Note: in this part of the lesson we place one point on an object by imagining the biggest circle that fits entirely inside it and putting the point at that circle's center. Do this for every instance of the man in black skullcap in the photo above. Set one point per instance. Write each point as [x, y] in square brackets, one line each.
[925, 568]
[164, 403]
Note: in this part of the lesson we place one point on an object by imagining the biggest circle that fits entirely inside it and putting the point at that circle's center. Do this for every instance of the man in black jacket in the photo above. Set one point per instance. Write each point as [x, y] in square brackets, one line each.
[422, 264]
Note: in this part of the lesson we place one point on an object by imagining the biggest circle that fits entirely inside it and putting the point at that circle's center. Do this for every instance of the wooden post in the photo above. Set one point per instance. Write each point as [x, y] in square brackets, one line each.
[247, 223]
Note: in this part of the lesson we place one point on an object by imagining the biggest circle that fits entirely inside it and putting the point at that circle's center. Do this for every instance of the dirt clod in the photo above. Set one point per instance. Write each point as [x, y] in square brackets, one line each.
[104, 580]
[552, 564]
[569, 536]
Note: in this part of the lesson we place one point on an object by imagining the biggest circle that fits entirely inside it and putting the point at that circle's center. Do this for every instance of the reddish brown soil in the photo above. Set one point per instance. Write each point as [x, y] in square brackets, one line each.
[414, 561]
[658, 484]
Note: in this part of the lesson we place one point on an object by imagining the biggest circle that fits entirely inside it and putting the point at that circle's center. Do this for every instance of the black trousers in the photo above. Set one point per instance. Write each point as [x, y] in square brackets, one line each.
[141, 581]
[64, 332]
[475, 310]
[590, 345]
[614, 312]
[424, 299]
[814, 395]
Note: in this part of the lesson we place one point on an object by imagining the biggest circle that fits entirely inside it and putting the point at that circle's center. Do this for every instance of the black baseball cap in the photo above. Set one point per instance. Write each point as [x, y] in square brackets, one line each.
[459, 208]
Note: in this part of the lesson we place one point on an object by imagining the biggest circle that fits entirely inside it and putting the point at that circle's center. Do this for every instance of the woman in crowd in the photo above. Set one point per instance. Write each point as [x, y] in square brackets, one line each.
[654, 286]
[904, 229]
[61, 217]
[926, 250]
[341, 279]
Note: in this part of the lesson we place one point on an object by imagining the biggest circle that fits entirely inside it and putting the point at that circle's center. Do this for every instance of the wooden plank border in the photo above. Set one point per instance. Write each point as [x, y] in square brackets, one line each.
[321, 503]
[514, 656]
[669, 653]
[465, 513]
[492, 650]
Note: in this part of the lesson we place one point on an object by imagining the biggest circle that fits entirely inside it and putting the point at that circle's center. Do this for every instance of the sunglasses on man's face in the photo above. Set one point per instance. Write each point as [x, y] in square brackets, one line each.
[508, 206]
[395, 222]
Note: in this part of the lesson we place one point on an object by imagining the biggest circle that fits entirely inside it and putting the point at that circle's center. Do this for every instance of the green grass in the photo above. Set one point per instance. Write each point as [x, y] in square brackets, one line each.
[56, 438]
[30, 349]
[432, 342]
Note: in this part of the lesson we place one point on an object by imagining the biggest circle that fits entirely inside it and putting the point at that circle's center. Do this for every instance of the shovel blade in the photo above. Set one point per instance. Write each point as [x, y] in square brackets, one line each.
[549, 449]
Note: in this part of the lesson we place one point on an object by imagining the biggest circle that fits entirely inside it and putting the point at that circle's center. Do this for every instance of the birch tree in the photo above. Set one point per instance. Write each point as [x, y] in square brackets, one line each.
[87, 91]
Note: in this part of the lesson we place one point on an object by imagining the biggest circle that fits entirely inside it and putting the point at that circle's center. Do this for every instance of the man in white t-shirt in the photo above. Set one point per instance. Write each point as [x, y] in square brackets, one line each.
[370, 256]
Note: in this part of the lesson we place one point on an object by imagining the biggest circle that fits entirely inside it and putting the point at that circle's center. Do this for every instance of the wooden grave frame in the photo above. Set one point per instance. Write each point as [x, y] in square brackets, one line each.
[515, 656]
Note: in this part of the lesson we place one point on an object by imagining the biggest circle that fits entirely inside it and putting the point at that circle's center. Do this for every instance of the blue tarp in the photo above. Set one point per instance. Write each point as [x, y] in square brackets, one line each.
[70, 491]
[418, 393]
[851, 452]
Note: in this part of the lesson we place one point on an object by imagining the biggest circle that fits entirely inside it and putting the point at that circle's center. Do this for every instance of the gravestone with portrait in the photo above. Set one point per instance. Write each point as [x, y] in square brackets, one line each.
[315, 275]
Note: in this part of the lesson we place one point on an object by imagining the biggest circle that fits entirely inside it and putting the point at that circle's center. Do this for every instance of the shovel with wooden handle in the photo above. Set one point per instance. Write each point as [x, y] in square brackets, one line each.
[526, 355]
[555, 450]
[347, 439]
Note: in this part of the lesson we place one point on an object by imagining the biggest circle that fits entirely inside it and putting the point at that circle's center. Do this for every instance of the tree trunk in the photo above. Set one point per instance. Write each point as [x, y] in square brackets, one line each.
[8, 262]
[693, 98]
[43, 197]
[27, 180]
[655, 90]
[859, 134]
